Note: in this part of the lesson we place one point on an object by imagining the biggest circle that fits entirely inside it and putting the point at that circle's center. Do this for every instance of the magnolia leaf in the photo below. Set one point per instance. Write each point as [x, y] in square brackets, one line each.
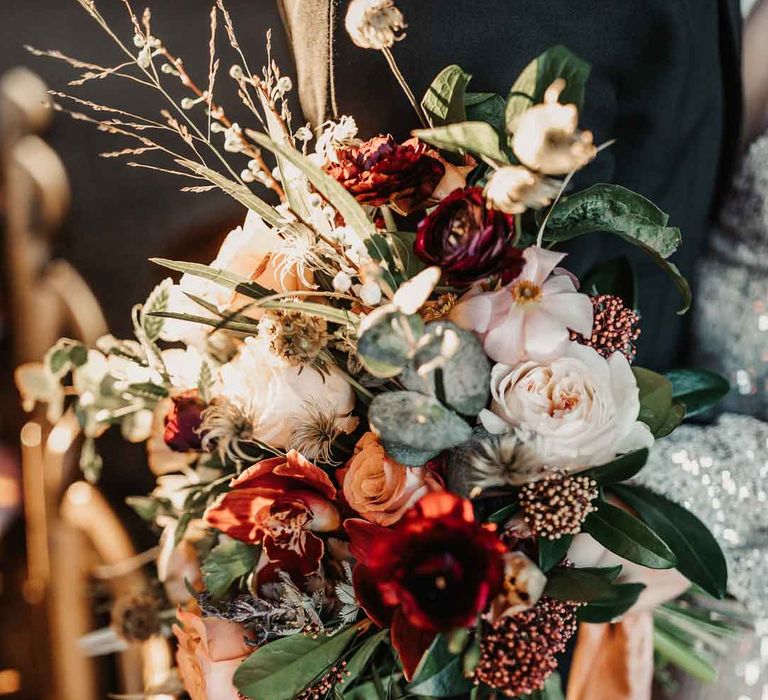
[552, 552]
[444, 100]
[360, 660]
[698, 389]
[658, 408]
[416, 420]
[615, 209]
[614, 277]
[281, 669]
[625, 535]
[528, 90]
[486, 107]
[699, 556]
[620, 469]
[440, 673]
[624, 596]
[587, 585]
[227, 562]
[465, 137]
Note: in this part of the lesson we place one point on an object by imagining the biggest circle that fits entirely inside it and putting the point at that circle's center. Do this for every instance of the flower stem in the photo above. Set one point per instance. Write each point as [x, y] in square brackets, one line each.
[406, 88]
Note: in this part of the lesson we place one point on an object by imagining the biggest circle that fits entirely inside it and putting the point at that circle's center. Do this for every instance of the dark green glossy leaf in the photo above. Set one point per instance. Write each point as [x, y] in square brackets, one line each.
[699, 557]
[281, 669]
[358, 664]
[587, 585]
[625, 535]
[620, 469]
[614, 277]
[478, 138]
[444, 100]
[440, 674]
[624, 597]
[698, 389]
[486, 107]
[503, 514]
[658, 410]
[615, 209]
[552, 552]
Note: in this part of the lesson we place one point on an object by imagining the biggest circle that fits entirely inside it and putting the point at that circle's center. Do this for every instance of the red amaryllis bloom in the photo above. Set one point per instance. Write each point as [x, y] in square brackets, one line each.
[280, 502]
[182, 423]
[434, 571]
[469, 241]
[381, 171]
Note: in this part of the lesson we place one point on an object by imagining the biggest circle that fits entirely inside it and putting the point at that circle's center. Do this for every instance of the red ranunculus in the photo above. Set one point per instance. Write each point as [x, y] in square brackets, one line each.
[381, 171]
[469, 241]
[436, 570]
[280, 502]
[182, 423]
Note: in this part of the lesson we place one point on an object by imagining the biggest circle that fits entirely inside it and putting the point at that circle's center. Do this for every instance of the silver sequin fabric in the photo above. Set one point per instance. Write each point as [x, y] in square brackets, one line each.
[720, 471]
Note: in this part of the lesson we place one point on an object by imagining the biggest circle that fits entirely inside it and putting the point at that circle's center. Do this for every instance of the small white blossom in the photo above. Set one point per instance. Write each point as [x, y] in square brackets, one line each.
[513, 189]
[374, 24]
[342, 282]
[369, 293]
[233, 139]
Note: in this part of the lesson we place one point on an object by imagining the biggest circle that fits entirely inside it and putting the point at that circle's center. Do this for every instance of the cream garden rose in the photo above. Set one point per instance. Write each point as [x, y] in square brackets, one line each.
[379, 488]
[580, 409]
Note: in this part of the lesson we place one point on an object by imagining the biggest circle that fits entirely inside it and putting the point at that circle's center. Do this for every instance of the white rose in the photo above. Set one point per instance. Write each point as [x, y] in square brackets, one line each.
[580, 409]
[278, 397]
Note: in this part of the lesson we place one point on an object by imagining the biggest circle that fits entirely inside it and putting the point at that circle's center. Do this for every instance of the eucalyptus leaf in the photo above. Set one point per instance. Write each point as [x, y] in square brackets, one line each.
[699, 556]
[281, 669]
[443, 102]
[408, 456]
[615, 209]
[625, 535]
[698, 389]
[388, 341]
[466, 137]
[416, 420]
[227, 562]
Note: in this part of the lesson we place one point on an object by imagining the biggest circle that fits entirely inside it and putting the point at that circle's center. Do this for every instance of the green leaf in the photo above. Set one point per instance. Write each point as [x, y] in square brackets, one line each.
[486, 107]
[380, 249]
[237, 191]
[658, 409]
[281, 669]
[552, 552]
[589, 585]
[226, 563]
[444, 99]
[614, 277]
[358, 664]
[698, 389]
[354, 215]
[227, 279]
[624, 597]
[503, 514]
[620, 469]
[146, 507]
[699, 557]
[416, 420]
[466, 137]
[156, 301]
[553, 690]
[388, 341]
[529, 88]
[683, 656]
[440, 673]
[615, 209]
[625, 535]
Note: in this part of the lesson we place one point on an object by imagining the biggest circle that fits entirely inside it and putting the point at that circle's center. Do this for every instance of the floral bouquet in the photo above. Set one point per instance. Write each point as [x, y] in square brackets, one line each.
[391, 462]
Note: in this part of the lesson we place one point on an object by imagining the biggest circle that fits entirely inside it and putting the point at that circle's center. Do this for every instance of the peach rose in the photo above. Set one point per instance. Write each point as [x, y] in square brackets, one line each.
[210, 650]
[379, 488]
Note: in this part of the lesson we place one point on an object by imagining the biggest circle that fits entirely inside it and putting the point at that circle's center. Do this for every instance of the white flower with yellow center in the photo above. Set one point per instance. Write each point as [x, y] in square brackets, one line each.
[374, 24]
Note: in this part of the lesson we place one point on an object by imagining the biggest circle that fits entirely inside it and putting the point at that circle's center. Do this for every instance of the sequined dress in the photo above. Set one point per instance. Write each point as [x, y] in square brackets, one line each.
[720, 471]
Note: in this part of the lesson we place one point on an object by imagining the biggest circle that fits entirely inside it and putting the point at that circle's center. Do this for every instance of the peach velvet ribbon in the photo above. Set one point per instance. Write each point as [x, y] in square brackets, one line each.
[613, 661]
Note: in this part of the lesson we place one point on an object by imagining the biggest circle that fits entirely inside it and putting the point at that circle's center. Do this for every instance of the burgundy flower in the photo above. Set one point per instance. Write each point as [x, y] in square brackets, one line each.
[436, 570]
[381, 171]
[182, 423]
[468, 240]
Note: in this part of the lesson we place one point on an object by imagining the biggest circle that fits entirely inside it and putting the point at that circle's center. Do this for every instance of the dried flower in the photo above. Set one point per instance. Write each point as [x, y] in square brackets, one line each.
[615, 328]
[293, 336]
[547, 138]
[524, 584]
[439, 308]
[558, 505]
[517, 652]
[381, 171]
[514, 189]
[468, 241]
[136, 616]
[374, 24]
[319, 429]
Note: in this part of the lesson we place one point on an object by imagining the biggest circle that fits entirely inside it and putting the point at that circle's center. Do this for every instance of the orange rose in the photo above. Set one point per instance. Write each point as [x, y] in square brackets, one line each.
[379, 488]
[210, 650]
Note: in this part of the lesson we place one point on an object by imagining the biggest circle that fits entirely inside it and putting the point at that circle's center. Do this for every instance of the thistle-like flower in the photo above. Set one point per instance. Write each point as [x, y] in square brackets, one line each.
[374, 24]
[498, 461]
[321, 425]
[136, 616]
[294, 336]
[227, 428]
[514, 189]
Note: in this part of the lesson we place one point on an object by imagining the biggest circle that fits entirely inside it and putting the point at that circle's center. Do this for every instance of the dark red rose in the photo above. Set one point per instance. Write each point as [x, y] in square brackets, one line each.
[436, 570]
[381, 171]
[469, 241]
[182, 423]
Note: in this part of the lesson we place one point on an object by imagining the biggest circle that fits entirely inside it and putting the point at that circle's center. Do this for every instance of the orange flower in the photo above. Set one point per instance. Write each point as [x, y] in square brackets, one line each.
[209, 652]
[280, 502]
[379, 488]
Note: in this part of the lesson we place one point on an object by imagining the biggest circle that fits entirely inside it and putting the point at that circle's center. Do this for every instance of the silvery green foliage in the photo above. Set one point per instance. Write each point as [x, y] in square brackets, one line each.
[388, 341]
[412, 420]
[456, 359]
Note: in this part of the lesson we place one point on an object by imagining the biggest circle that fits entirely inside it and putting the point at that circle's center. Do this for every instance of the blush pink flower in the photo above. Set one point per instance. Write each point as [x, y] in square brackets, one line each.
[529, 318]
